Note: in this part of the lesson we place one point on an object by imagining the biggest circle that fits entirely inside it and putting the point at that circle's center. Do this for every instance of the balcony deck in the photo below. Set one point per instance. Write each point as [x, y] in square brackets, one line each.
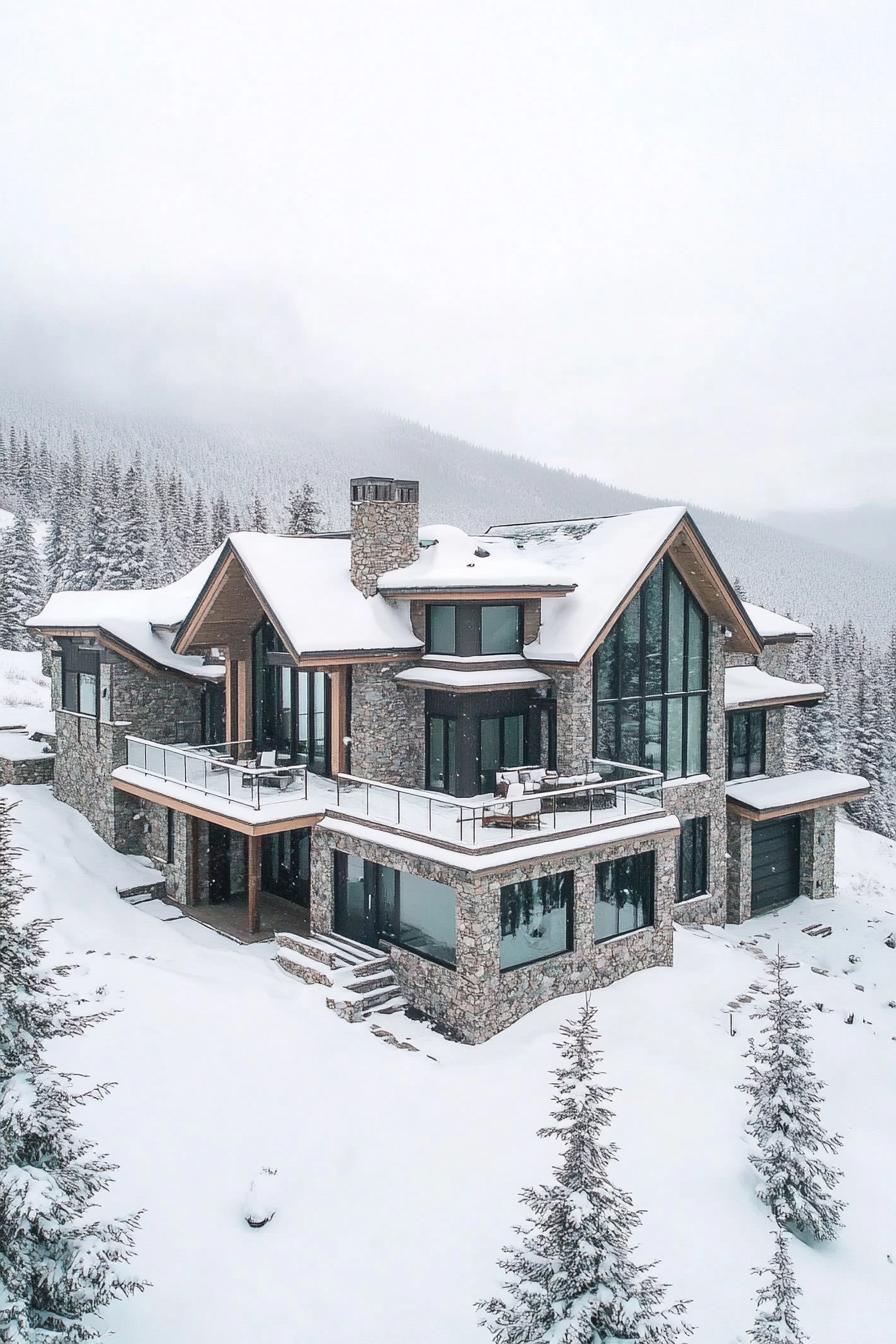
[249, 797]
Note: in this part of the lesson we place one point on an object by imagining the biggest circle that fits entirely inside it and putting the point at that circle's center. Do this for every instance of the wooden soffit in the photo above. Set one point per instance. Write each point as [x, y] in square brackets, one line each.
[229, 823]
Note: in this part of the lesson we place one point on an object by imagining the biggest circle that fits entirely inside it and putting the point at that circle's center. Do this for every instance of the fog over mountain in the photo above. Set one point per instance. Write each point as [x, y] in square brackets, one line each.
[868, 530]
[461, 483]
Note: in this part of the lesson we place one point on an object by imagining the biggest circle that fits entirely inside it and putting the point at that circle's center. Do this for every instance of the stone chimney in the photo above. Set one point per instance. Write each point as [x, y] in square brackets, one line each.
[385, 526]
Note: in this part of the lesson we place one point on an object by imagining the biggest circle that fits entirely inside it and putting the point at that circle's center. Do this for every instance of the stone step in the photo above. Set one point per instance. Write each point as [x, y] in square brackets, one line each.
[302, 968]
[154, 887]
[355, 1008]
[314, 950]
[371, 982]
[358, 952]
[373, 967]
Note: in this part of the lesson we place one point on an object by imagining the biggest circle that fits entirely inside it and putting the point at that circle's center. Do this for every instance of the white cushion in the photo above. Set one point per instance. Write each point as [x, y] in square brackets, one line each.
[267, 760]
[515, 791]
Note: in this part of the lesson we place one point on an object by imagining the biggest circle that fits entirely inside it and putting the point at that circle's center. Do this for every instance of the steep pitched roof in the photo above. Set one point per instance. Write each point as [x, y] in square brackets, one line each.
[451, 560]
[304, 584]
[134, 621]
[608, 558]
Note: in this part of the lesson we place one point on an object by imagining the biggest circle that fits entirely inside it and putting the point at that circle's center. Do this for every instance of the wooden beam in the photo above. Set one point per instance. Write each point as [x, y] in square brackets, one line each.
[794, 809]
[338, 719]
[253, 881]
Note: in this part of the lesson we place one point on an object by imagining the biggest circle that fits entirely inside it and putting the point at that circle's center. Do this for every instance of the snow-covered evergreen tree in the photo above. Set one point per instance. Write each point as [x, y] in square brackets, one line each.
[573, 1278]
[258, 519]
[135, 532]
[776, 1314]
[23, 589]
[60, 1262]
[785, 1115]
[304, 513]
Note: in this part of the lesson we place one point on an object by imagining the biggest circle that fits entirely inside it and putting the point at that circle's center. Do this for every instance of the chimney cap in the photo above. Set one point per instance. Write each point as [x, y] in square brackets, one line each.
[384, 489]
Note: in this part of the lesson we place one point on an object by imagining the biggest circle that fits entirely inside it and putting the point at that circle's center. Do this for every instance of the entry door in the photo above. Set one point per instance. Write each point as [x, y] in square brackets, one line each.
[218, 865]
[354, 914]
[776, 862]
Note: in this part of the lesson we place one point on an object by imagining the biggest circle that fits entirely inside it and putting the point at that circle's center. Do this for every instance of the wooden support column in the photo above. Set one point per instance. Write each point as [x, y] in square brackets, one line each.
[253, 880]
[338, 719]
[242, 653]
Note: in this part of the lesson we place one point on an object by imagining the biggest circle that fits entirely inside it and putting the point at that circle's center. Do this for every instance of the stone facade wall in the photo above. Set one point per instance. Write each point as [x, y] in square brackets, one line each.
[573, 692]
[31, 770]
[775, 749]
[384, 536]
[388, 726]
[477, 999]
[740, 869]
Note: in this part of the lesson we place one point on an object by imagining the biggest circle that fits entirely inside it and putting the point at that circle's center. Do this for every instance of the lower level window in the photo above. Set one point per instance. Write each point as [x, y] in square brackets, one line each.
[373, 901]
[693, 848]
[623, 895]
[536, 919]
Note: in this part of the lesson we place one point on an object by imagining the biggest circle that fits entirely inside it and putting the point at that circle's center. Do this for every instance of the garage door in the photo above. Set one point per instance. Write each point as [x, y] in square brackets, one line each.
[776, 862]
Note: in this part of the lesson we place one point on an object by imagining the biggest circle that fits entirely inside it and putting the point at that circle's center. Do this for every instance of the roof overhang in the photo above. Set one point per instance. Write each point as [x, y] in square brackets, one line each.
[517, 592]
[217, 818]
[138, 657]
[764, 799]
[752, 688]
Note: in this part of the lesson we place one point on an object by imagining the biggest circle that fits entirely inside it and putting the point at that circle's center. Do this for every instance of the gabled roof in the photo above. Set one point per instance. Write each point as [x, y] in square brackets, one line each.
[452, 561]
[608, 559]
[751, 688]
[304, 585]
[136, 622]
[774, 628]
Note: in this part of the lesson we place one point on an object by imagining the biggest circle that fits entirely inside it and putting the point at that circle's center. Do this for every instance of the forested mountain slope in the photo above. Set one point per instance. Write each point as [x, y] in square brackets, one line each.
[460, 483]
[867, 530]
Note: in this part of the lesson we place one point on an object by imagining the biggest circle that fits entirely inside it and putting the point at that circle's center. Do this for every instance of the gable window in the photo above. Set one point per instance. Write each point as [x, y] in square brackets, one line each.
[693, 854]
[651, 680]
[536, 919]
[746, 743]
[291, 706]
[623, 896]
[470, 629]
[80, 678]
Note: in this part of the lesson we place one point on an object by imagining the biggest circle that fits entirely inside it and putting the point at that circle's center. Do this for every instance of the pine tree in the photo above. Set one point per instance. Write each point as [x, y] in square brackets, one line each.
[785, 1111]
[134, 539]
[220, 525]
[304, 511]
[258, 520]
[23, 584]
[572, 1278]
[60, 1263]
[199, 544]
[776, 1316]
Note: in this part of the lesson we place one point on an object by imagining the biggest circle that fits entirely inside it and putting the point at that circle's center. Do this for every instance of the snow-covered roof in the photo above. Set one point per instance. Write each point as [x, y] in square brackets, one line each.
[772, 626]
[745, 686]
[795, 793]
[603, 557]
[468, 679]
[305, 582]
[143, 619]
[450, 559]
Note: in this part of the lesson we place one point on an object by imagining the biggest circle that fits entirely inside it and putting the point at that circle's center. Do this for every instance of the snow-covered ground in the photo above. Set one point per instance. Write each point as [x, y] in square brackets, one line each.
[398, 1172]
[24, 693]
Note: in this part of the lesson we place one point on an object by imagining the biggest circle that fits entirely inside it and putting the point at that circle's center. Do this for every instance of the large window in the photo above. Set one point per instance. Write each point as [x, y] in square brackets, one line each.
[470, 628]
[502, 745]
[373, 901]
[651, 678]
[693, 856]
[746, 743]
[286, 864]
[623, 896]
[536, 919]
[291, 705]
[441, 752]
[80, 678]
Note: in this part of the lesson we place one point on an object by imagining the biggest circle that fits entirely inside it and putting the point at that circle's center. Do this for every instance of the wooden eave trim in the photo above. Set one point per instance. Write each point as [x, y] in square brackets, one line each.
[124, 650]
[776, 704]
[203, 599]
[785, 639]
[345, 657]
[740, 809]
[468, 690]
[476, 594]
[217, 818]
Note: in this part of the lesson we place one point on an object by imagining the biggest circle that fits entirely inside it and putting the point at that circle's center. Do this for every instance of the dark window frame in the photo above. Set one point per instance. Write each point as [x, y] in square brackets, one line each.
[565, 876]
[76, 663]
[373, 875]
[468, 630]
[693, 859]
[449, 750]
[755, 723]
[646, 860]
[616, 705]
[269, 662]
[169, 835]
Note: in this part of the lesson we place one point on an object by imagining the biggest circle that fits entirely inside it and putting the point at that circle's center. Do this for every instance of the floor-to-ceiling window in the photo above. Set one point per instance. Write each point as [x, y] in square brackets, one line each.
[502, 741]
[373, 901]
[291, 705]
[651, 680]
[286, 865]
[469, 737]
[441, 752]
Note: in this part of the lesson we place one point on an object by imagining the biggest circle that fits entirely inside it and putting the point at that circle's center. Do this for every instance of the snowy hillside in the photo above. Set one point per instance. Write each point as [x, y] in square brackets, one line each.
[461, 483]
[398, 1171]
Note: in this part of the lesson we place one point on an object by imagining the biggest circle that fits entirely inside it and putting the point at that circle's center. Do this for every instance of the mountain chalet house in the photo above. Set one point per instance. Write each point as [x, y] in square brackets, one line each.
[506, 763]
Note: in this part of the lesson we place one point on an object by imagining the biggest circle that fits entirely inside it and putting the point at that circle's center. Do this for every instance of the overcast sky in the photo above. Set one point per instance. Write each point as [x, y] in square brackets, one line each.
[650, 241]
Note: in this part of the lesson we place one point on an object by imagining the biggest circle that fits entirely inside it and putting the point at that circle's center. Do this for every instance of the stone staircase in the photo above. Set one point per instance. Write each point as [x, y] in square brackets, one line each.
[361, 979]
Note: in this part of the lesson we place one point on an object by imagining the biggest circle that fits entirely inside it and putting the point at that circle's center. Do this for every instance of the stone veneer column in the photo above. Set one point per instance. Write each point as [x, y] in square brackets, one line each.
[572, 688]
[817, 830]
[740, 869]
[384, 536]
